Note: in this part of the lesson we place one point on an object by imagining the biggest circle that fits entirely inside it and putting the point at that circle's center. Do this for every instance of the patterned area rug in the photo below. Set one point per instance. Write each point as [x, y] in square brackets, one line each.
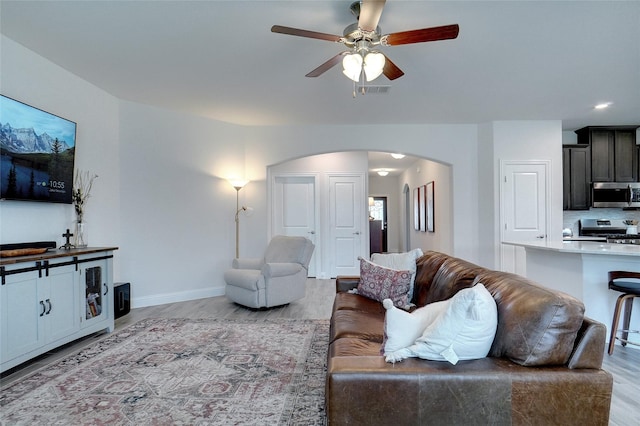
[182, 371]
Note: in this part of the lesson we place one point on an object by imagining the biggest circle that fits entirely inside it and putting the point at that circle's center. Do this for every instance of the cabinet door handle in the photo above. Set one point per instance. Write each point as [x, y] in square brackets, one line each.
[49, 306]
[43, 308]
[106, 289]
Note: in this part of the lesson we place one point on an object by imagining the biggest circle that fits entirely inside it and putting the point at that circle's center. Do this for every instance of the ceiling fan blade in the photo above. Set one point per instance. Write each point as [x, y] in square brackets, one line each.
[304, 33]
[445, 32]
[391, 70]
[326, 66]
[370, 11]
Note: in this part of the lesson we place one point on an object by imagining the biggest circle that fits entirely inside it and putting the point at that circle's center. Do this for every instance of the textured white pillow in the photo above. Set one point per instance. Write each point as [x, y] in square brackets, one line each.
[401, 328]
[465, 330]
[399, 262]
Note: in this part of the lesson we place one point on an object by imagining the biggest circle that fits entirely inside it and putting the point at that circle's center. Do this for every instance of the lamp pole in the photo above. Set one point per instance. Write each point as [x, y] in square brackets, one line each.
[238, 188]
[238, 185]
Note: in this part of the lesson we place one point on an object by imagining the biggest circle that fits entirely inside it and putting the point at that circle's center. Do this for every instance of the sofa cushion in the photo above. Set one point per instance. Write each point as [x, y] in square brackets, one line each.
[355, 302]
[401, 328]
[353, 346]
[400, 262]
[379, 283]
[358, 324]
[454, 275]
[440, 276]
[463, 331]
[426, 268]
[537, 325]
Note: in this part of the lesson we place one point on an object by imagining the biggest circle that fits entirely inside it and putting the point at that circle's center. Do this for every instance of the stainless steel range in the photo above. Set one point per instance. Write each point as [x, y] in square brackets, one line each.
[624, 239]
[601, 227]
[614, 230]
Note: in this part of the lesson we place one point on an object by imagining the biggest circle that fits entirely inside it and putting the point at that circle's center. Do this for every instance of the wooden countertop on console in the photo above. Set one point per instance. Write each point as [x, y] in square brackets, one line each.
[52, 254]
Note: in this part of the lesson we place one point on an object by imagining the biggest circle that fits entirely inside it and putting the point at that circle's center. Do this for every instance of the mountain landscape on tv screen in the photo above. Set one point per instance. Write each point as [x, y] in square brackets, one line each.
[27, 141]
[34, 167]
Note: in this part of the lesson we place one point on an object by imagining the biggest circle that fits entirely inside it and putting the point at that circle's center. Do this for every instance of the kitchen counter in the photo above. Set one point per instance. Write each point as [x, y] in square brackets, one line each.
[581, 246]
[580, 268]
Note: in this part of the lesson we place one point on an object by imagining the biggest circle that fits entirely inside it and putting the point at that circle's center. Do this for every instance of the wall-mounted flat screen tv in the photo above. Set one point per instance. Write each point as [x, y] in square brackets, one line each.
[38, 153]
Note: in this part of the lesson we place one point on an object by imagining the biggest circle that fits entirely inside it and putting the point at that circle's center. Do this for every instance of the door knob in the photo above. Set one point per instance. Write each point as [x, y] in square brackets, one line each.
[356, 233]
[540, 236]
[311, 232]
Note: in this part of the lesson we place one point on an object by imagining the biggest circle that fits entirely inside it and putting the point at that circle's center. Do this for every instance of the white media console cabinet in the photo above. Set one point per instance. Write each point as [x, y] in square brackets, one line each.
[53, 298]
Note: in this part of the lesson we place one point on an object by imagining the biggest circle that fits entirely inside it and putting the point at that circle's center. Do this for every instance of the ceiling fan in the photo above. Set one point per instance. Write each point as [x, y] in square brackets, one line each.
[363, 37]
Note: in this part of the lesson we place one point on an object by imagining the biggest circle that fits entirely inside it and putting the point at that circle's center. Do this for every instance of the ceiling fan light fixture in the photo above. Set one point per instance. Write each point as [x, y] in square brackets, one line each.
[373, 65]
[352, 66]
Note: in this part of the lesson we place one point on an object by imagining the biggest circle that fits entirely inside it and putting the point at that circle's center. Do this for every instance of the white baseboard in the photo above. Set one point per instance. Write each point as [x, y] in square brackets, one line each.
[182, 296]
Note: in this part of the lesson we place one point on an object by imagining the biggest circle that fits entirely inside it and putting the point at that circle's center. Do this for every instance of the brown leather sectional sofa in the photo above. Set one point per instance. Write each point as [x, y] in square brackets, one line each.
[544, 367]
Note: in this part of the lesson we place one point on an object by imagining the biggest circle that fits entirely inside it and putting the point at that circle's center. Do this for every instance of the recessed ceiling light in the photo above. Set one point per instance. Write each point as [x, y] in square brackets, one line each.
[397, 156]
[603, 105]
[383, 172]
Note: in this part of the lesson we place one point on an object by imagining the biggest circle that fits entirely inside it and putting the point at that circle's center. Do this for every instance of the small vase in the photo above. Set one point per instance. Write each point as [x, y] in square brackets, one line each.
[80, 235]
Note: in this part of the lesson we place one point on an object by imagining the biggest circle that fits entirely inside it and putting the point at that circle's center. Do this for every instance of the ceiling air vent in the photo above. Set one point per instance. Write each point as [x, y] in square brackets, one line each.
[373, 89]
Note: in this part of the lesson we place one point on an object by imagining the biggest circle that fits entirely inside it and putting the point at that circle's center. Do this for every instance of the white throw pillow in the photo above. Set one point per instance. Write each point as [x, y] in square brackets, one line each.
[401, 328]
[465, 330]
[400, 262]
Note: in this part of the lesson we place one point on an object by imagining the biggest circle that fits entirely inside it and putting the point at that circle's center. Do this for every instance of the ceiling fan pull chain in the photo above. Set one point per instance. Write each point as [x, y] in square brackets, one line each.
[354, 89]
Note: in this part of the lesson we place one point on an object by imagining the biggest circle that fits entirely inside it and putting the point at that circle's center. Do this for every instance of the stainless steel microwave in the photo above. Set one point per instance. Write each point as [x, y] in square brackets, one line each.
[615, 194]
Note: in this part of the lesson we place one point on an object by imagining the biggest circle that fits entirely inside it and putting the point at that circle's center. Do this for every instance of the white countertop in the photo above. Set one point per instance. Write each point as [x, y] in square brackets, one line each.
[581, 247]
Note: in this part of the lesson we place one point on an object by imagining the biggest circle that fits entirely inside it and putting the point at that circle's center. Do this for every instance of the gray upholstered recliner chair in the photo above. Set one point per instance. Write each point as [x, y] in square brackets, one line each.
[277, 279]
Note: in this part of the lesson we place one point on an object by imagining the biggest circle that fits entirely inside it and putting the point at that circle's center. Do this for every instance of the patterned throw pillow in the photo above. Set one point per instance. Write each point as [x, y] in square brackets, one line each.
[400, 262]
[379, 283]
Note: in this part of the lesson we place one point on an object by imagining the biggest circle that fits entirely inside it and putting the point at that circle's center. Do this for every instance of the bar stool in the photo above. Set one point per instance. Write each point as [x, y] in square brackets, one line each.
[630, 289]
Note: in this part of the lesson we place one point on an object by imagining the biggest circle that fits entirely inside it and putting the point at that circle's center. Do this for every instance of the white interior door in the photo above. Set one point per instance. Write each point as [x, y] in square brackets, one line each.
[347, 224]
[294, 210]
[524, 212]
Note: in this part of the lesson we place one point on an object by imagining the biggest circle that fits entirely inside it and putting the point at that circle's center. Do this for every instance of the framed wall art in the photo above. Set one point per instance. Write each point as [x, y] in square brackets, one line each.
[423, 215]
[416, 209]
[430, 206]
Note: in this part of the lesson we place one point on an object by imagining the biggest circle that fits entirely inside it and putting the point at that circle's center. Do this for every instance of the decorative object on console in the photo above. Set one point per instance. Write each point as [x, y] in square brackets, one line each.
[26, 249]
[82, 185]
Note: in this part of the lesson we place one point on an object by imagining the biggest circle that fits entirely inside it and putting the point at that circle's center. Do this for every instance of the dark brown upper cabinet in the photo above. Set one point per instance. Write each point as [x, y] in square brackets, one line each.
[613, 152]
[576, 177]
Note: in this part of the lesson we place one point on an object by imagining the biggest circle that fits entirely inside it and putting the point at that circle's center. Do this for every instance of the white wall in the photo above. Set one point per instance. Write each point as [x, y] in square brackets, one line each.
[31, 79]
[420, 173]
[487, 205]
[178, 229]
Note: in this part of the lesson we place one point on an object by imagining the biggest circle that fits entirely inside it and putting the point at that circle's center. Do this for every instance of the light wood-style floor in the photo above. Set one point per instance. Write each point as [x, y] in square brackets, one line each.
[624, 364]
